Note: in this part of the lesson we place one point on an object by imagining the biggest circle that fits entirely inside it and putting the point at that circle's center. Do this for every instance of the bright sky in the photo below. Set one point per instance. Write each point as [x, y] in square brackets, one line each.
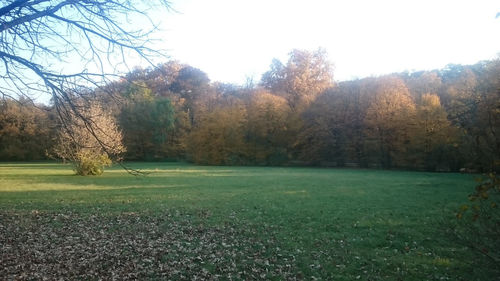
[234, 39]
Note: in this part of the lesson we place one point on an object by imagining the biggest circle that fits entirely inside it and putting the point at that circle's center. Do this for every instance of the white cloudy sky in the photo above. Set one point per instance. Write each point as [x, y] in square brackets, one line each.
[234, 39]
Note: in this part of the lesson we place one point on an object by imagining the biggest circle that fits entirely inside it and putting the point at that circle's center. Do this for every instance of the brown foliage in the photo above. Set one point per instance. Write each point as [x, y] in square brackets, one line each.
[268, 128]
[90, 139]
[389, 119]
[218, 138]
[302, 79]
[25, 130]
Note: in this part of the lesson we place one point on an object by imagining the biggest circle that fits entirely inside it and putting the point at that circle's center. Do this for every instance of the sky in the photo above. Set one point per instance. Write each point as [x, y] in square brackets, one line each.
[232, 40]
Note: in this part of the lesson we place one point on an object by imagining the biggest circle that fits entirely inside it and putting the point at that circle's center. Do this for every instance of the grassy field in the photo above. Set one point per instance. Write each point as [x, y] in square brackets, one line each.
[233, 223]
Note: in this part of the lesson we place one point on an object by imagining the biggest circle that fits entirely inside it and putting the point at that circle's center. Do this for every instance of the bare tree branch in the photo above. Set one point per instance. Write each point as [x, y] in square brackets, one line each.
[41, 39]
[37, 38]
[35, 15]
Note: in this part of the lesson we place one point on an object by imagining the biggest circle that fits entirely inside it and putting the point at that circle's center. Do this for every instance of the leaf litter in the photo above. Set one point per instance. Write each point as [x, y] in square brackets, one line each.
[131, 246]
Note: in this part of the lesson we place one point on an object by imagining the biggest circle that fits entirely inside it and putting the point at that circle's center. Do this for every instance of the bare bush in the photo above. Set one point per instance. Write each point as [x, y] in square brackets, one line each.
[90, 140]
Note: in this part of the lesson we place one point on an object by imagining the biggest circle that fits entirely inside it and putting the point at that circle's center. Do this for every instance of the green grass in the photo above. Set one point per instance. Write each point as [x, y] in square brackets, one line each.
[244, 222]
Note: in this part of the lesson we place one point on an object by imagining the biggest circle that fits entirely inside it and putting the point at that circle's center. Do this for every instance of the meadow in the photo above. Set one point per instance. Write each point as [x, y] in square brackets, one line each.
[186, 222]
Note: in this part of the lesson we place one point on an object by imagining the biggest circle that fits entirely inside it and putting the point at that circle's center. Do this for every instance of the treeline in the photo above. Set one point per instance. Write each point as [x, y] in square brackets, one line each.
[440, 120]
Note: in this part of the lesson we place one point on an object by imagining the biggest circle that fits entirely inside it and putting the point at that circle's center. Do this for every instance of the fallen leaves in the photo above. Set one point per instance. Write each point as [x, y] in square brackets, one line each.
[130, 246]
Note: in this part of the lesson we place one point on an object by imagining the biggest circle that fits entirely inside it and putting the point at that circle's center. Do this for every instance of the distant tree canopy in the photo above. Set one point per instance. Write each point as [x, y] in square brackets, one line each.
[440, 120]
[26, 131]
[302, 79]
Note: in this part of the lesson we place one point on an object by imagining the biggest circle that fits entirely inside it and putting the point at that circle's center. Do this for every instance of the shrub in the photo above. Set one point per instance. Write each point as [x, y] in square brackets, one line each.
[479, 221]
[90, 140]
[89, 164]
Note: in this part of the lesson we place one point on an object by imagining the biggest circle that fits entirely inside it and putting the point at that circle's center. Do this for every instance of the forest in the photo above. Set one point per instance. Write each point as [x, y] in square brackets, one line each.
[296, 115]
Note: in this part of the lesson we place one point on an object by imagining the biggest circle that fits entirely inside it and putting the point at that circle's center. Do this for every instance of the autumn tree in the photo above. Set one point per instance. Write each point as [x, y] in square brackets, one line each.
[267, 128]
[146, 122]
[91, 141]
[333, 127]
[301, 79]
[486, 129]
[26, 130]
[471, 96]
[459, 95]
[423, 82]
[193, 87]
[434, 137]
[388, 121]
[158, 84]
[219, 137]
